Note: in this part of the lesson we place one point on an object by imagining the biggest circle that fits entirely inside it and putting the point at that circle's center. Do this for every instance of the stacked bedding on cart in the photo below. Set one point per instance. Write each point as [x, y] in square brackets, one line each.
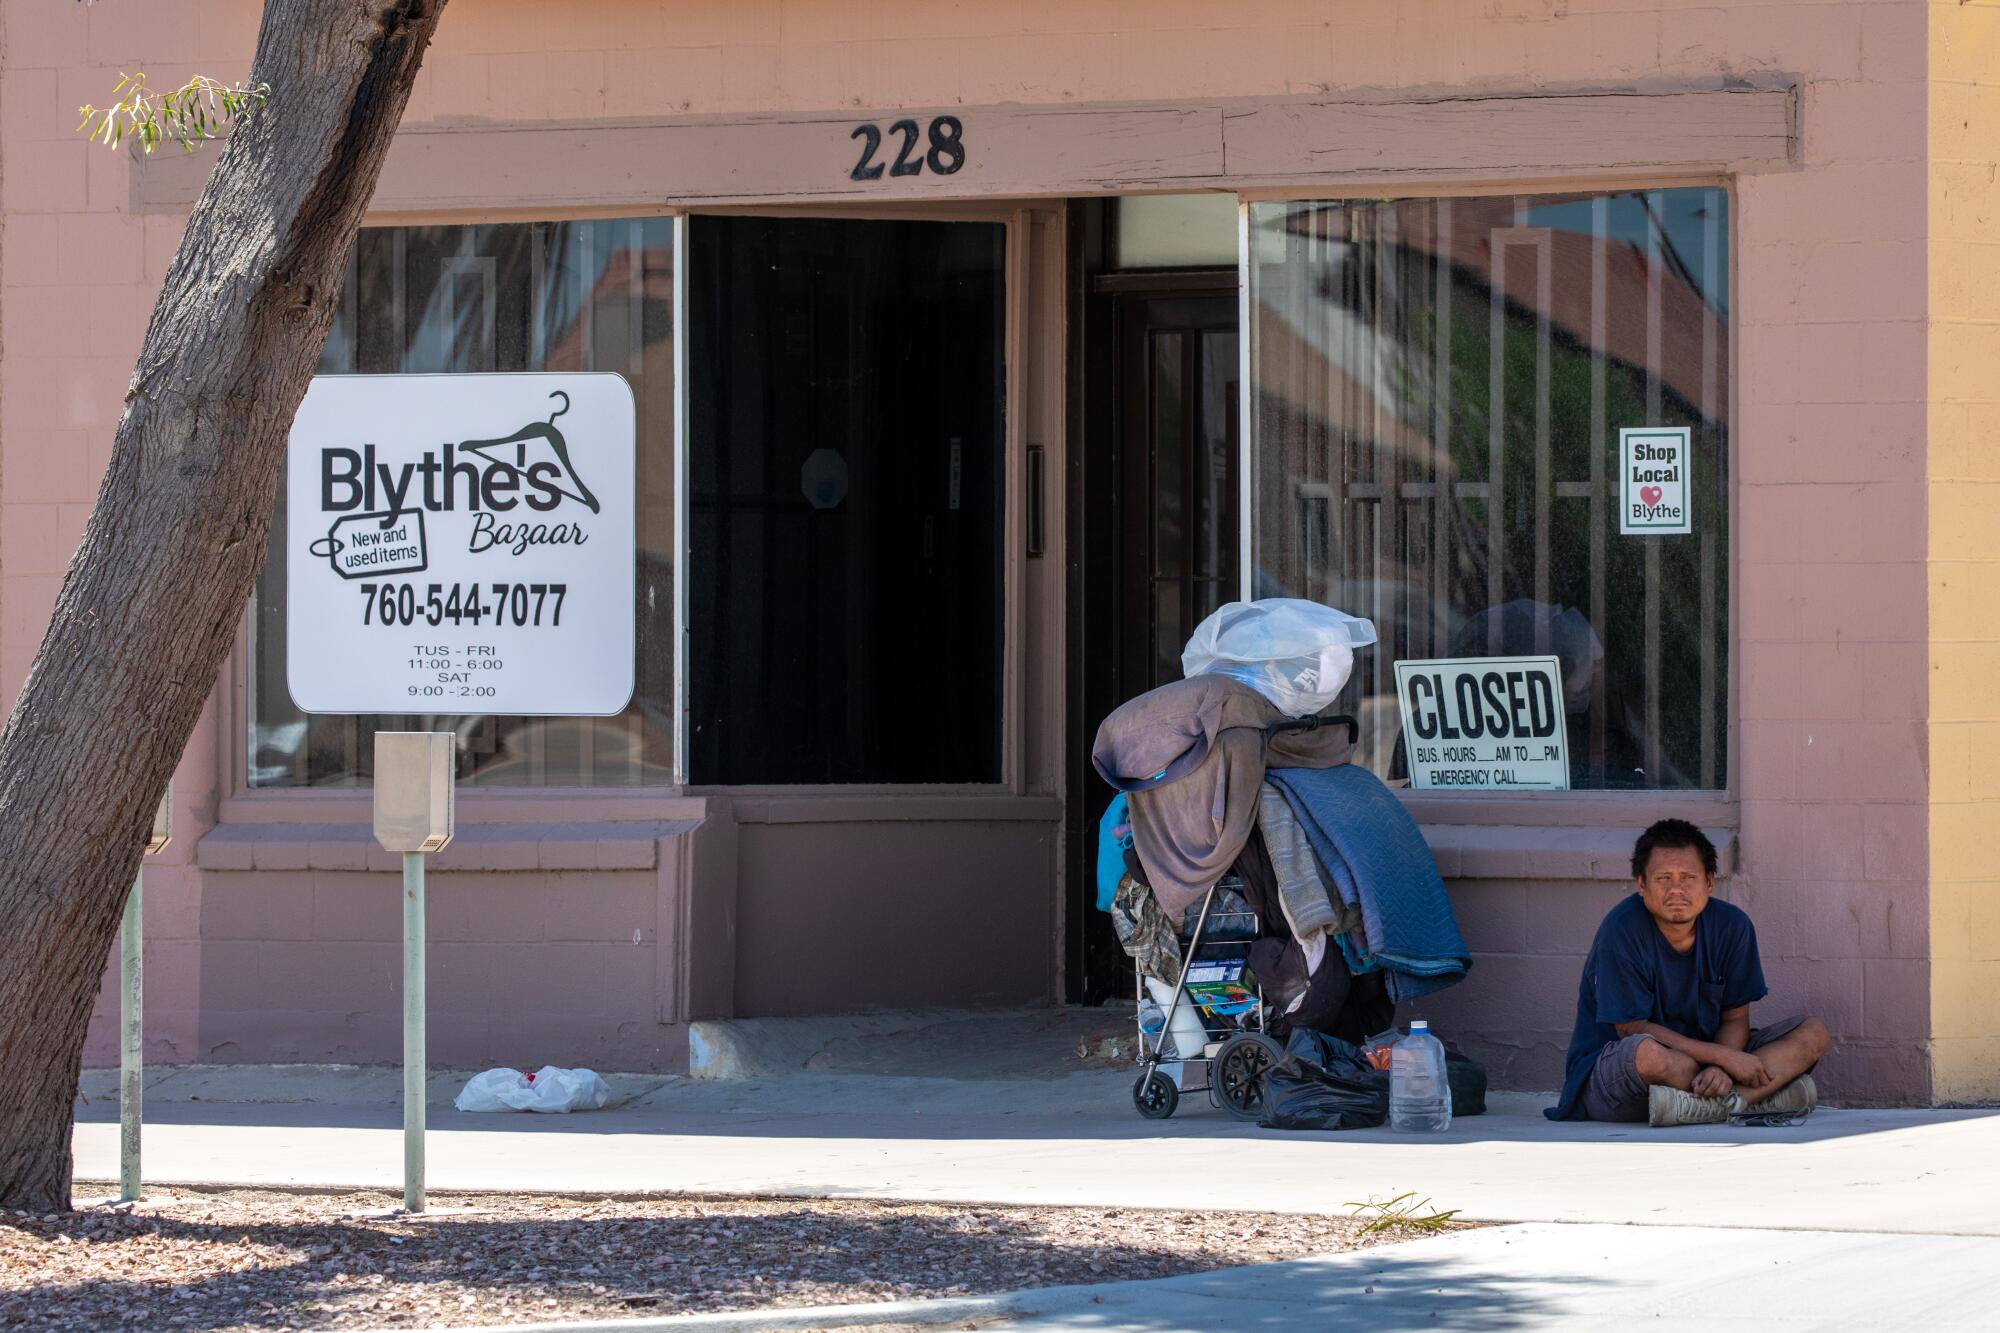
[1214, 778]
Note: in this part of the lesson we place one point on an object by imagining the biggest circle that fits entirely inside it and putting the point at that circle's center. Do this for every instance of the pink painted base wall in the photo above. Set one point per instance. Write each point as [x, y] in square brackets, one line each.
[284, 945]
[525, 970]
[833, 918]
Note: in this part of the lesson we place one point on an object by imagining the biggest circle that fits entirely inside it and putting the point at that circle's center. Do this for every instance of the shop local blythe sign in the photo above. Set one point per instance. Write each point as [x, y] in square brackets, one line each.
[1484, 723]
[461, 544]
[1653, 481]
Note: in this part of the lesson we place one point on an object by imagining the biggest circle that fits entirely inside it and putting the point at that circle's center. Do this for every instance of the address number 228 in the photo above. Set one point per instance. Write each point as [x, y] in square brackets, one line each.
[945, 154]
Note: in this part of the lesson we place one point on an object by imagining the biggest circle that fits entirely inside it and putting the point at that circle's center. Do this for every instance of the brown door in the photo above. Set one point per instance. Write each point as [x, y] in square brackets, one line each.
[1177, 444]
[1155, 528]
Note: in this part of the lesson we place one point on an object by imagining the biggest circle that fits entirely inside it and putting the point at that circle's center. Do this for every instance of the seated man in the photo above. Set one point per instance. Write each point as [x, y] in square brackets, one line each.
[1663, 1015]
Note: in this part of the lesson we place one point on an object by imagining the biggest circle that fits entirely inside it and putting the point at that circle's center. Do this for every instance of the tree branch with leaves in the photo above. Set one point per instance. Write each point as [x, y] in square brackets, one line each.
[199, 110]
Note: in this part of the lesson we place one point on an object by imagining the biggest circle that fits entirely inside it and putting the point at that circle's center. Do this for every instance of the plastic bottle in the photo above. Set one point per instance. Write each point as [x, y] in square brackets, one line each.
[1151, 1019]
[1419, 1095]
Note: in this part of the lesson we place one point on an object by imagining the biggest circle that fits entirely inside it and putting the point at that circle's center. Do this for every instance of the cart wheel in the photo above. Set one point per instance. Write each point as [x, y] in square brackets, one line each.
[1239, 1073]
[1155, 1095]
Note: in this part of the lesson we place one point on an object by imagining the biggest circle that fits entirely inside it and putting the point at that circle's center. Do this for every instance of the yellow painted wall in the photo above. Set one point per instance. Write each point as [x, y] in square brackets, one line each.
[1964, 547]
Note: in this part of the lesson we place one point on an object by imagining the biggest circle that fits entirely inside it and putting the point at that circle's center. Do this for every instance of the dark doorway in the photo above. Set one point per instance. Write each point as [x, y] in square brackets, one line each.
[1153, 523]
[845, 387]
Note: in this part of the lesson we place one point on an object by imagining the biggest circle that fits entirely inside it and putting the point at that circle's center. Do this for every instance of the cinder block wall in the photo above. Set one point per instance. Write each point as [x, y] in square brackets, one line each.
[525, 969]
[1964, 551]
[1514, 1011]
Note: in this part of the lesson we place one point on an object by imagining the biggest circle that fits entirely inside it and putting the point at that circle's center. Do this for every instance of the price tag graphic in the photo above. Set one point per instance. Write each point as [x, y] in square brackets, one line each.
[363, 545]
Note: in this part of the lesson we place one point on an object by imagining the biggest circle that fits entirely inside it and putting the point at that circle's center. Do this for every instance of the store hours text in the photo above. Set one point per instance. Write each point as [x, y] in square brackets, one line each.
[394, 604]
[457, 675]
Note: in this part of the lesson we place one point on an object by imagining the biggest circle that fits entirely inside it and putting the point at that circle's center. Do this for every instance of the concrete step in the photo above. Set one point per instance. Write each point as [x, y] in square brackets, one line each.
[985, 1044]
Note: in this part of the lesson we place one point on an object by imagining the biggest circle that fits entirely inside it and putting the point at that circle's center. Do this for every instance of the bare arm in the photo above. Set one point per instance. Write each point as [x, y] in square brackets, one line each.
[1725, 1052]
[1734, 1034]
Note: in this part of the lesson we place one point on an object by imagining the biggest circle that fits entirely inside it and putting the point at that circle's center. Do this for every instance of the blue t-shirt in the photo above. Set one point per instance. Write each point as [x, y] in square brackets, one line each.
[1634, 976]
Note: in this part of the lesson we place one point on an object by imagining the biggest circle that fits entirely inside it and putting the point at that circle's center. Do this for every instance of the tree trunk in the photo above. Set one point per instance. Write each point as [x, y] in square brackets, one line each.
[152, 600]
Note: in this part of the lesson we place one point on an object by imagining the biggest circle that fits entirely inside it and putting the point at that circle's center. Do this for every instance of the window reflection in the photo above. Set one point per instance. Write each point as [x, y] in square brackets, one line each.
[1439, 389]
[530, 296]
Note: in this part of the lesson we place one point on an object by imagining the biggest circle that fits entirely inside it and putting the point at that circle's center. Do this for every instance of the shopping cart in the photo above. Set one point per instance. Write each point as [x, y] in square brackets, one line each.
[1235, 1049]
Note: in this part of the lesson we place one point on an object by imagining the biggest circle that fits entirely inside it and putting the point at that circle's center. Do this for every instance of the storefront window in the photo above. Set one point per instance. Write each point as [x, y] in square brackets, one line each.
[845, 382]
[526, 296]
[1439, 388]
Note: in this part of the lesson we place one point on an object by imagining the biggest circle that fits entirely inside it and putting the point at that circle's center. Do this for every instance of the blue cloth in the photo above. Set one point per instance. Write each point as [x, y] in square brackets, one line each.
[1114, 835]
[1376, 858]
[1634, 976]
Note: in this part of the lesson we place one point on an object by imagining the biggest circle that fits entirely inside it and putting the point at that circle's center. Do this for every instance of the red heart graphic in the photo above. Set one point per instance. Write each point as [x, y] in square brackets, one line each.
[1651, 495]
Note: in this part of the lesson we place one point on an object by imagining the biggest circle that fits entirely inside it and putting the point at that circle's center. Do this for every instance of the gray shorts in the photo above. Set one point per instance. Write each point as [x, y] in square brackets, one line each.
[1614, 1090]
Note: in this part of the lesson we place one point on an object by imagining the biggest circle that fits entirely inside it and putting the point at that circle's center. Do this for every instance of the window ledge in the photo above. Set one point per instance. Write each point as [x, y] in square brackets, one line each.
[1517, 851]
[912, 805]
[631, 845]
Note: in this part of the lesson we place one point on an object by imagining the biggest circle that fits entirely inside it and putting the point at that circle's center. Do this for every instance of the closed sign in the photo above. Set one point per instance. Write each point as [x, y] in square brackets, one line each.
[1484, 723]
[461, 544]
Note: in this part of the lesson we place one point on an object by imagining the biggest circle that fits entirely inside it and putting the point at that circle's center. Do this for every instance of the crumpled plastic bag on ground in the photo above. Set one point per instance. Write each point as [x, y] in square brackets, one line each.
[1323, 1083]
[1295, 653]
[549, 1089]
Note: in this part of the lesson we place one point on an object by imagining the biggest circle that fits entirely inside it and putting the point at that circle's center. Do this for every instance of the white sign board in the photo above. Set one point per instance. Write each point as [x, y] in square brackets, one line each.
[461, 544]
[1653, 486]
[1484, 724]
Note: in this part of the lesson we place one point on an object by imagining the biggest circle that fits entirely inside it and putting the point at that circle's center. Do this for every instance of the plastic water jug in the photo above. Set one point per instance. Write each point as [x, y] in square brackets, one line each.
[1419, 1095]
[1185, 1035]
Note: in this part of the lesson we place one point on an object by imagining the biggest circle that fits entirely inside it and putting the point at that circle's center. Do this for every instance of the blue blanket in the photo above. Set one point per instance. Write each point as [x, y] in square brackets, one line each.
[1114, 835]
[1376, 858]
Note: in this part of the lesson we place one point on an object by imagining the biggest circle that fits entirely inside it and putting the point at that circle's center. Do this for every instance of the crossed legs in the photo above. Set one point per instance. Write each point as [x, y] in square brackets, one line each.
[1786, 1057]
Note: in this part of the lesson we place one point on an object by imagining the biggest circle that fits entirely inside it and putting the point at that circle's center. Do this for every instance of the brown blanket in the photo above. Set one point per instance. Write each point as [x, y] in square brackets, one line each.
[1191, 756]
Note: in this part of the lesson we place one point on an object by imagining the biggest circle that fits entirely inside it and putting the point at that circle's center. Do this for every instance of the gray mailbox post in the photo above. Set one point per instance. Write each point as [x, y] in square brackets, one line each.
[561, 647]
[414, 791]
[132, 1010]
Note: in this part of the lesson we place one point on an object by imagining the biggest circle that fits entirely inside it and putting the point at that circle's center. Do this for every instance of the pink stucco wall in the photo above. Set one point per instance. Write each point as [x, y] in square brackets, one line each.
[1828, 308]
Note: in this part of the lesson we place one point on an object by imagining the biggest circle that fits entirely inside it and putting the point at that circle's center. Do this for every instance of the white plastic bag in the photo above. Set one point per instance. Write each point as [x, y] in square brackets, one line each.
[548, 1089]
[1295, 653]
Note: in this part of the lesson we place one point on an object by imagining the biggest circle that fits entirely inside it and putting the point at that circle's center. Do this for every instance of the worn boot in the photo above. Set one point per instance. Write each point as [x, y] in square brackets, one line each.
[1667, 1107]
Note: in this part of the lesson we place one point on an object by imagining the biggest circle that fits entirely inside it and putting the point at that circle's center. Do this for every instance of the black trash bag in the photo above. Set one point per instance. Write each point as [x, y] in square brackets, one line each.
[1323, 1083]
[1467, 1079]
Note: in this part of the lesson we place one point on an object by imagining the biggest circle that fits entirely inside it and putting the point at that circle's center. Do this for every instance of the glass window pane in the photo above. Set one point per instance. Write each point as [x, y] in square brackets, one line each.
[846, 500]
[517, 296]
[1438, 390]
[1176, 231]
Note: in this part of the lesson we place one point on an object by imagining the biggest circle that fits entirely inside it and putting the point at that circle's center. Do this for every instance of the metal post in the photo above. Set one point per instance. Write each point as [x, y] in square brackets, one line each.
[413, 1032]
[414, 802]
[132, 1038]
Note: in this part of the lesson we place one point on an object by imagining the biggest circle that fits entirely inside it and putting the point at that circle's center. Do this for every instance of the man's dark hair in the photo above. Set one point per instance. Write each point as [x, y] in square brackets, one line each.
[1671, 833]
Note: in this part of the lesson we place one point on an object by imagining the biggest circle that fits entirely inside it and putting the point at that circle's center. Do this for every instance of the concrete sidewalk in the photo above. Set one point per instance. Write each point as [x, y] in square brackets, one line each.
[1070, 1139]
[1581, 1277]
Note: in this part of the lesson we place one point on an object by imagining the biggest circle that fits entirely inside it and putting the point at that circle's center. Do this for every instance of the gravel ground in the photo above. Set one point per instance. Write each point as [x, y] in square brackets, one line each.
[265, 1260]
